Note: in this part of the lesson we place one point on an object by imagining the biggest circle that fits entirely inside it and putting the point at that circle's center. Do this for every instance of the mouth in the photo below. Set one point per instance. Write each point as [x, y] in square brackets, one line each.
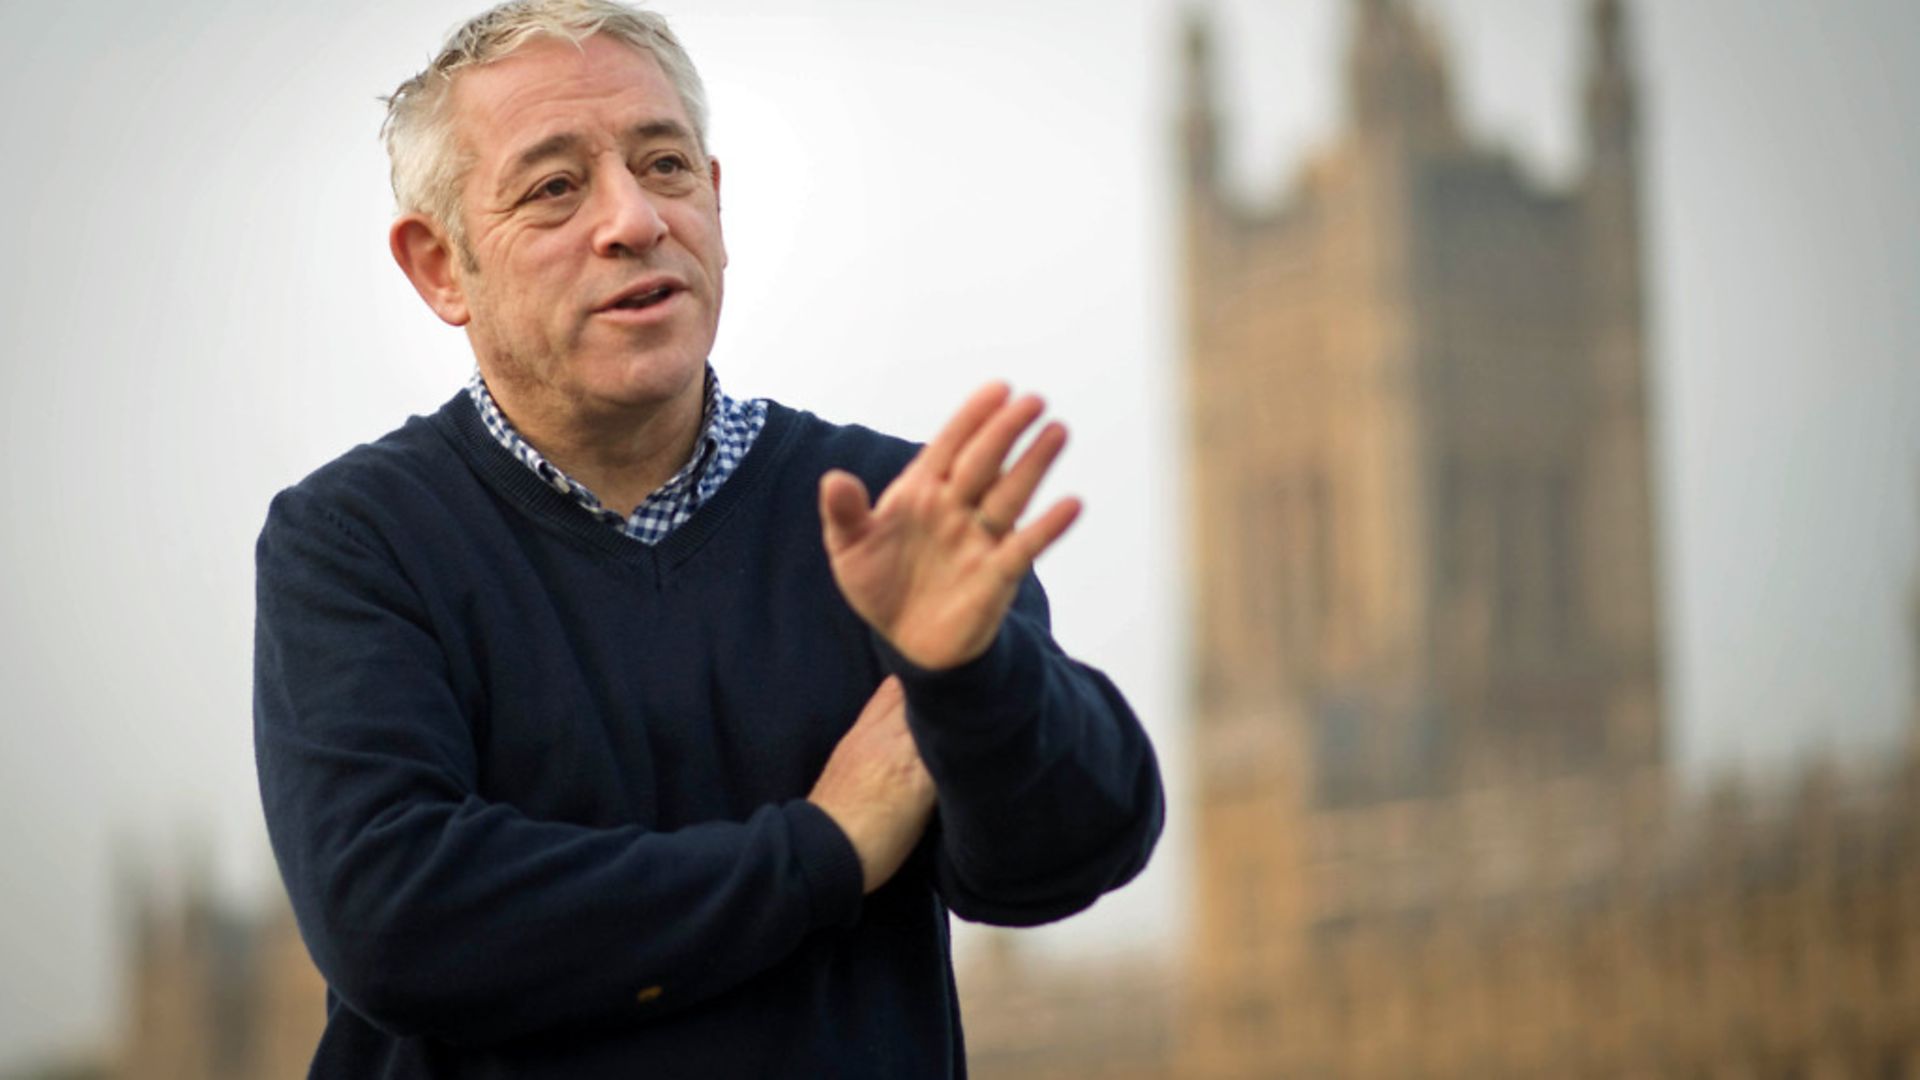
[643, 300]
[644, 296]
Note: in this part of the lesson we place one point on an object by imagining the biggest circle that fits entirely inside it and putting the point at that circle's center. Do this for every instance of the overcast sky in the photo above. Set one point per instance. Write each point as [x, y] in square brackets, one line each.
[197, 308]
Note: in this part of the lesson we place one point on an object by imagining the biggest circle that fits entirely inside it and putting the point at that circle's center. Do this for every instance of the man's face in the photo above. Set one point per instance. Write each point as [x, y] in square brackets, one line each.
[594, 278]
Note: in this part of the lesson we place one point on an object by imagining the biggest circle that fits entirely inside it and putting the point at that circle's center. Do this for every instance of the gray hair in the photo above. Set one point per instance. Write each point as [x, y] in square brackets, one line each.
[428, 164]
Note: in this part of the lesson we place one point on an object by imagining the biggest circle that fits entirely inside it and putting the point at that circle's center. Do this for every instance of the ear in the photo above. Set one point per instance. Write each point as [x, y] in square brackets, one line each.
[713, 173]
[429, 261]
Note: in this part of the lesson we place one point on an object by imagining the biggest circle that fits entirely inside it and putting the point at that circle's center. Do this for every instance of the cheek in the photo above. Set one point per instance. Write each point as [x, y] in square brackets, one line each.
[528, 290]
[698, 231]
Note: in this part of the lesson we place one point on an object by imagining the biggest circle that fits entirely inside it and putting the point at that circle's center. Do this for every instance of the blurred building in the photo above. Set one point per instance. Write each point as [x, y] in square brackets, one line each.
[215, 993]
[1436, 834]
[1423, 528]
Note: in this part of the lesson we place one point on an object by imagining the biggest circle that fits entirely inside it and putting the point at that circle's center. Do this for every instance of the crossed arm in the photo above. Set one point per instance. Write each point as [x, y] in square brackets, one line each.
[390, 851]
[933, 568]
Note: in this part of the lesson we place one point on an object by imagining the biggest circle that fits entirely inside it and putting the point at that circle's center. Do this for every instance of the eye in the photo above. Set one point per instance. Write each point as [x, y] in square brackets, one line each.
[555, 188]
[668, 165]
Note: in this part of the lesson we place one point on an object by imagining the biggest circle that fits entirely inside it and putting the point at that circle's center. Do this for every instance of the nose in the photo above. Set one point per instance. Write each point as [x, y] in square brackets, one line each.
[627, 222]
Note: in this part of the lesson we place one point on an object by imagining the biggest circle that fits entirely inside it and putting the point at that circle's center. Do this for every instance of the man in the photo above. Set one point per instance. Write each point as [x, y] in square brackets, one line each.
[563, 789]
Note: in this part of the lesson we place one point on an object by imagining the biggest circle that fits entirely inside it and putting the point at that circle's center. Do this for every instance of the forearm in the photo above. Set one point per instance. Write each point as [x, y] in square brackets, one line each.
[433, 909]
[1049, 793]
[468, 922]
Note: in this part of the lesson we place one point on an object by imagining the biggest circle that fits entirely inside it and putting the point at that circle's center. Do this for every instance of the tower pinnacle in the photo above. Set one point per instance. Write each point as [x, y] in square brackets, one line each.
[1610, 96]
[1396, 75]
[1609, 33]
[1200, 119]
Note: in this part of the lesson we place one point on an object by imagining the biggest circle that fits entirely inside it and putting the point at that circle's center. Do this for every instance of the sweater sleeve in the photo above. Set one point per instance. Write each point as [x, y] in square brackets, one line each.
[433, 911]
[1049, 793]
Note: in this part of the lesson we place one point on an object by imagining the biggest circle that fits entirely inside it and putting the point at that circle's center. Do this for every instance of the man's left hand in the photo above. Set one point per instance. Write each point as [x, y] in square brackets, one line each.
[934, 565]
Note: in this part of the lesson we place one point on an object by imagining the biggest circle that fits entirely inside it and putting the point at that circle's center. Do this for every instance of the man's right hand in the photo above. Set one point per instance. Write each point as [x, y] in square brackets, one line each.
[876, 788]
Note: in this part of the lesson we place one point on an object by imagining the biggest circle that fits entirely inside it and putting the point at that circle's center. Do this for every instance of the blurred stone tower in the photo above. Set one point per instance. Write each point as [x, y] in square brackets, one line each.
[1420, 441]
[1435, 832]
[1423, 539]
[212, 991]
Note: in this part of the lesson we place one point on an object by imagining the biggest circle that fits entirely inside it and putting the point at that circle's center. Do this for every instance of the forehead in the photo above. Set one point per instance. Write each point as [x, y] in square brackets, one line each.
[552, 86]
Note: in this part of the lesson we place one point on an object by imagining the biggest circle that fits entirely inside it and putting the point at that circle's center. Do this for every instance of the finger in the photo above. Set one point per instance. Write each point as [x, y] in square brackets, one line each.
[937, 456]
[886, 697]
[890, 698]
[845, 508]
[1027, 544]
[927, 792]
[1006, 500]
[978, 465]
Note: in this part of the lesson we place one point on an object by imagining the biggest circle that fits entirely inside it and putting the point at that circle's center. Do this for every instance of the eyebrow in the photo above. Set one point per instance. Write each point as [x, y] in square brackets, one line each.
[565, 142]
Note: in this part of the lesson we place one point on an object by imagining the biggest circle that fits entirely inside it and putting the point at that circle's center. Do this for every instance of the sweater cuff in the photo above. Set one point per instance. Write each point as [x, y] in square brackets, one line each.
[999, 687]
[835, 882]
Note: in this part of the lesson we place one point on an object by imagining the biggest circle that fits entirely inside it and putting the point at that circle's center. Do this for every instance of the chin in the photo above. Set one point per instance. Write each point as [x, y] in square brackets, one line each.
[650, 381]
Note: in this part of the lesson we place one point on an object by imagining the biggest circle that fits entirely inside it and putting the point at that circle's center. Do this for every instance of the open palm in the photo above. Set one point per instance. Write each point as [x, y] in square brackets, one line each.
[934, 565]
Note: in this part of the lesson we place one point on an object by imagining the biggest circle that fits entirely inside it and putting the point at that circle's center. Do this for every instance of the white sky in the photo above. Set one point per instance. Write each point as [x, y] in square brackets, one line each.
[196, 308]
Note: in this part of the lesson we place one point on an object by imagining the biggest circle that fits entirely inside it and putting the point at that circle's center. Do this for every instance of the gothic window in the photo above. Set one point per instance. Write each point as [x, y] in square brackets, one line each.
[1290, 558]
[1509, 561]
[1462, 506]
[1563, 561]
[1536, 561]
[1317, 565]
[1252, 895]
[1264, 540]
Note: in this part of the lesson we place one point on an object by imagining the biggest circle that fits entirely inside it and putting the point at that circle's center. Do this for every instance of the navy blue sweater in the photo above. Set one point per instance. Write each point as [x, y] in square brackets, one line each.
[538, 792]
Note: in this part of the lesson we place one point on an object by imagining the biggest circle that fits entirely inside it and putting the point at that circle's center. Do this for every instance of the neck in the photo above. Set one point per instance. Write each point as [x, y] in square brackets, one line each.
[621, 454]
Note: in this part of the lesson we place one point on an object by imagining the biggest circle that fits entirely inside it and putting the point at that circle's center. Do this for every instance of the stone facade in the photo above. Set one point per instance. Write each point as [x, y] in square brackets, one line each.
[1436, 835]
[1580, 927]
[1048, 1020]
[216, 994]
[1423, 527]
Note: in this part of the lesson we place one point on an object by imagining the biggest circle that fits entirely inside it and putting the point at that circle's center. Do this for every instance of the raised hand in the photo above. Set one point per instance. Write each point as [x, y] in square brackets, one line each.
[934, 565]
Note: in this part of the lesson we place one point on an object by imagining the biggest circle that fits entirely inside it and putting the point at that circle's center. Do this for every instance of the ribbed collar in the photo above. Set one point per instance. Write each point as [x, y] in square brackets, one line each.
[460, 423]
[728, 428]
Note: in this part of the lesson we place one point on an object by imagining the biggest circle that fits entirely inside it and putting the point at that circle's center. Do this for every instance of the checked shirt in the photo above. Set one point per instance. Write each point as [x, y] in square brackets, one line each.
[729, 430]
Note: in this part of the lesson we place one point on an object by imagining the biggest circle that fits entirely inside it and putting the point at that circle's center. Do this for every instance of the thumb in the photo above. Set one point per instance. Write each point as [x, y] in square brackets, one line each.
[845, 507]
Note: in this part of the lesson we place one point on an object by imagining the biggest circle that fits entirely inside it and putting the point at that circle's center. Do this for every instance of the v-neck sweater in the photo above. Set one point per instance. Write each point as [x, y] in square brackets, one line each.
[538, 793]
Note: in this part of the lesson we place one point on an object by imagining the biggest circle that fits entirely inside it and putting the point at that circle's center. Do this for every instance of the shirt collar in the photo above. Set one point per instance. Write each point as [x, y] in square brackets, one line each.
[714, 427]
